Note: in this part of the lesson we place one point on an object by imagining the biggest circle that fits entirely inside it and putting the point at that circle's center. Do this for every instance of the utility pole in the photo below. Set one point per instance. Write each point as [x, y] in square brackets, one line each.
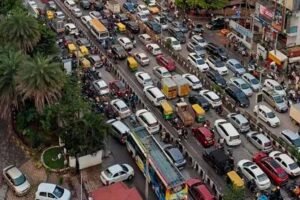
[259, 95]
[147, 147]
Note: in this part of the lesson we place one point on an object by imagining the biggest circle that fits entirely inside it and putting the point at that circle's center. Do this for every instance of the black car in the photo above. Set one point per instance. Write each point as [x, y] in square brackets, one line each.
[182, 27]
[83, 41]
[85, 4]
[198, 29]
[119, 51]
[237, 95]
[196, 98]
[176, 33]
[217, 51]
[216, 78]
[155, 27]
[216, 24]
[122, 17]
[132, 26]
[175, 156]
[98, 6]
[219, 160]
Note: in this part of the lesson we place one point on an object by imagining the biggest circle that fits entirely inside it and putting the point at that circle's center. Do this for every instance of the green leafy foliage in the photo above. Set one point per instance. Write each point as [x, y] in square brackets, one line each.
[7, 6]
[205, 4]
[233, 193]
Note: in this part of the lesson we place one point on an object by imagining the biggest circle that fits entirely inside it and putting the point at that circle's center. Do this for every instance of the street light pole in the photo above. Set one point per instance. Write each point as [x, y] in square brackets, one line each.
[147, 147]
[259, 93]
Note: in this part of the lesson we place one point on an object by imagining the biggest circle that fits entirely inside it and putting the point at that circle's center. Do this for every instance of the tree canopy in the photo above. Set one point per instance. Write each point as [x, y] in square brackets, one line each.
[205, 4]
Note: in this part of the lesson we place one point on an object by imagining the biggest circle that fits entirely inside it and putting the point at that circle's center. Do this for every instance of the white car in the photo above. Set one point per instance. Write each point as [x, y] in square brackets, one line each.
[125, 42]
[85, 19]
[145, 38]
[154, 94]
[213, 99]
[193, 81]
[242, 85]
[47, 191]
[217, 65]
[95, 14]
[144, 78]
[143, 9]
[116, 173]
[148, 120]
[161, 72]
[267, 115]
[121, 108]
[59, 15]
[286, 162]
[76, 12]
[227, 131]
[154, 49]
[274, 85]
[291, 137]
[101, 87]
[175, 44]
[142, 16]
[253, 172]
[71, 29]
[142, 58]
[162, 21]
[260, 141]
[198, 62]
[199, 40]
[16, 180]
[252, 81]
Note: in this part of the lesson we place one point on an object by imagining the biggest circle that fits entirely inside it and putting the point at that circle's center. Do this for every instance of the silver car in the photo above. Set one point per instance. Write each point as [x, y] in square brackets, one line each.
[260, 141]
[239, 121]
[252, 81]
[275, 100]
[241, 84]
[235, 66]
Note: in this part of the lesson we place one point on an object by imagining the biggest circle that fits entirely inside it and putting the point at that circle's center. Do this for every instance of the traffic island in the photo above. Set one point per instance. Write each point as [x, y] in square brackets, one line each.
[52, 159]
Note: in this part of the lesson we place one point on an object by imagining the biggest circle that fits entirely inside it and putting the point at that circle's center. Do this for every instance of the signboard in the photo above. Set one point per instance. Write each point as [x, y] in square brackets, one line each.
[240, 29]
[277, 22]
[261, 51]
[265, 14]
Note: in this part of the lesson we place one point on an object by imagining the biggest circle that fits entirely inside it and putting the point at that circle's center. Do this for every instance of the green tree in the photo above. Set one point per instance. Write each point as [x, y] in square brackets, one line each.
[205, 4]
[41, 81]
[233, 193]
[7, 5]
[21, 30]
[11, 61]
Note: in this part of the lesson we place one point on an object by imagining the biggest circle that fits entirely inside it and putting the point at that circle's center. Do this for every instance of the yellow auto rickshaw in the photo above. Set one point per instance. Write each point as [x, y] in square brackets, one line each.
[167, 110]
[84, 51]
[72, 48]
[199, 113]
[50, 14]
[85, 63]
[235, 180]
[132, 63]
[121, 27]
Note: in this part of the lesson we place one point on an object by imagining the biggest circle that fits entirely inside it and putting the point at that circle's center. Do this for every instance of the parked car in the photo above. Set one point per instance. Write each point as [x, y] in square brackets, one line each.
[125, 42]
[286, 162]
[119, 51]
[260, 141]
[253, 172]
[16, 180]
[132, 26]
[144, 78]
[204, 135]
[177, 34]
[154, 49]
[154, 26]
[174, 43]
[161, 72]
[219, 160]
[274, 85]
[275, 100]
[193, 81]
[168, 63]
[76, 12]
[142, 16]
[143, 9]
[242, 85]
[121, 108]
[227, 131]
[142, 59]
[71, 29]
[145, 38]
[118, 88]
[198, 190]
[252, 81]
[216, 24]
[148, 120]
[52, 191]
[217, 65]
[290, 137]
[153, 8]
[237, 95]
[195, 98]
[129, 6]
[181, 26]
[100, 87]
[213, 99]
[239, 121]
[216, 78]
[95, 15]
[199, 40]
[59, 15]
[52, 5]
[162, 21]
[216, 51]
[175, 156]
[198, 62]
[197, 29]
[119, 130]
[235, 66]
[271, 168]
[85, 4]
[196, 48]
[154, 95]
[122, 17]
[267, 115]
[116, 173]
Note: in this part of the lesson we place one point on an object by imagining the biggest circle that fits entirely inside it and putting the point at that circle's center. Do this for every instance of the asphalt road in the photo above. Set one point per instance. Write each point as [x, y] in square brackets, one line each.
[246, 150]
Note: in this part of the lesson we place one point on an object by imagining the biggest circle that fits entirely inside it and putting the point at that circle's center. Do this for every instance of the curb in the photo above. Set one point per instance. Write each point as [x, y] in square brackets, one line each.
[63, 170]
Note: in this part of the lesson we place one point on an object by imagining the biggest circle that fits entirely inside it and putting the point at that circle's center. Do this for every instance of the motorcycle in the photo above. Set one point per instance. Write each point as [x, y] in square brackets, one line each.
[294, 189]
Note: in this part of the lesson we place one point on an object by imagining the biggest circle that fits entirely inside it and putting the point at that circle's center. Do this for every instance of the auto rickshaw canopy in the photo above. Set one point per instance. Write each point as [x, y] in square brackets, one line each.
[167, 108]
[198, 109]
[121, 27]
[84, 50]
[235, 179]
[85, 63]
[72, 48]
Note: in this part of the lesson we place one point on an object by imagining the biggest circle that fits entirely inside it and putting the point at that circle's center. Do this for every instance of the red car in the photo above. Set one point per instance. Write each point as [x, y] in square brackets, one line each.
[198, 190]
[204, 136]
[118, 88]
[271, 168]
[166, 62]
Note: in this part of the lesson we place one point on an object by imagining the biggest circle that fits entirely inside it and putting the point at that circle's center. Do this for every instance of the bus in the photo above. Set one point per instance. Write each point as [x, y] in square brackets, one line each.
[166, 180]
[98, 29]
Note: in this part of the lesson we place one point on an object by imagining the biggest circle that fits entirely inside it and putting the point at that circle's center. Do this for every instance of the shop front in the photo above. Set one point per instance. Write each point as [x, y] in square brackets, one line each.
[279, 58]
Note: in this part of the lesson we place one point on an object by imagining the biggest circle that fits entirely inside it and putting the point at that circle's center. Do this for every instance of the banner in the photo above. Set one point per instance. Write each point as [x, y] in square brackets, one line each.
[277, 23]
[266, 14]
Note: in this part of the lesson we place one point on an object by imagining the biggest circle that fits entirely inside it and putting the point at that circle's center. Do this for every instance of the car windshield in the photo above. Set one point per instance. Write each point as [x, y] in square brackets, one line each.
[254, 81]
[244, 86]
[262, 177]
[198, 48]
[157, 49]
[175, 42]
[200, 62]
[19, 180]
[160, 99]
[58, 191]
[240, 95]
[124, 168]
[166, 73]
[278, 87]
[163, 21]
[236, 137]
[238, 66]
[125, 108]
[270, 115]
[108, 173]
[179, 34]
[293, 166]
[219, 64]
[221, 50]
[296, 142]
[282, 174]
[278, 99]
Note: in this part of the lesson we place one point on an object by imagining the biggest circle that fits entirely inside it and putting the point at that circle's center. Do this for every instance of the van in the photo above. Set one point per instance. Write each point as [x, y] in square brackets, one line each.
[70, 4]
[227, 131]
[154, 95]
[275, 100]
[148, 120]
[119, 130]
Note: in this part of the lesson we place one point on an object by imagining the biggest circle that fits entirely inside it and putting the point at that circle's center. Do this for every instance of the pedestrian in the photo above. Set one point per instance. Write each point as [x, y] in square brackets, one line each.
[185, 133]
[163, 135]
[180, 133]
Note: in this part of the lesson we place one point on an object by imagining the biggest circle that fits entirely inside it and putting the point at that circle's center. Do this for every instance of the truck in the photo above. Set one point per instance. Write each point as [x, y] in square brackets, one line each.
[185, 113]
[183, 87]
[295, 113]
[113, 6]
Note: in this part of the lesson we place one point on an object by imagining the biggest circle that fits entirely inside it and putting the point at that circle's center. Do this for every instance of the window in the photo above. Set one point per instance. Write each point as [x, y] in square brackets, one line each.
[43, 194]
[51, 196]
[224, 130]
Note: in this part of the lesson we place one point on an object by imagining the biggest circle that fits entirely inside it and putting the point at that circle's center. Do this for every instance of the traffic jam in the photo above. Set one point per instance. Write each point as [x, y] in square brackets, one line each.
[128, 55]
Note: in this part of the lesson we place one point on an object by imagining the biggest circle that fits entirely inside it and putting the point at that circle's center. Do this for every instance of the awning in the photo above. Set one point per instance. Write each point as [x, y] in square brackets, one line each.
[294, 59]
[278, 58]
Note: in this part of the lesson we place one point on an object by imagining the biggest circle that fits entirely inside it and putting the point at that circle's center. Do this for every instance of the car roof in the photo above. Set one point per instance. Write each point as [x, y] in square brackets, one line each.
[175, 152]
[149, 116]
[239, 80]
[120, 126]
[120, 103]
[101, 83]
[230, 128]
[14, 172]
[273, 82]
[143, 55]
[287, 159]
[240, 117]
[153, 45]
[205, 131]
[250, 76]
[115, 168]
[233, 61]
[126, 39]
[145, 75]
[262, 137]
[291, 134]
[46, 187]
[265, 108]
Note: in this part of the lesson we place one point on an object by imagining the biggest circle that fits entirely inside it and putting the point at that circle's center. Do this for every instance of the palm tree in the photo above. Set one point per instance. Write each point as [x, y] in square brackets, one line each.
[21, 30]
[41, 81]
[10, 62]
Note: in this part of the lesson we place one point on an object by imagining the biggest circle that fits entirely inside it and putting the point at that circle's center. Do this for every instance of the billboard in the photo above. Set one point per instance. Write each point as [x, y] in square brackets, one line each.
[266, 14]
[277, 22]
